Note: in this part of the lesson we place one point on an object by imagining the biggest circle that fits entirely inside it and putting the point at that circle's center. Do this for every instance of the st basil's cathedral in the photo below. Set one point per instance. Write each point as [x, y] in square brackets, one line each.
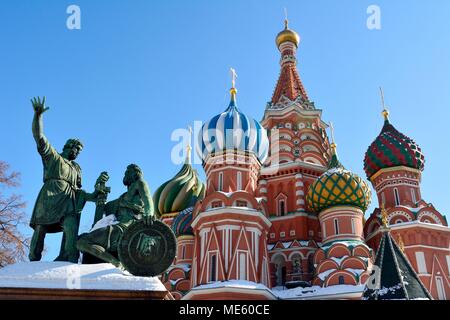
[280, 217]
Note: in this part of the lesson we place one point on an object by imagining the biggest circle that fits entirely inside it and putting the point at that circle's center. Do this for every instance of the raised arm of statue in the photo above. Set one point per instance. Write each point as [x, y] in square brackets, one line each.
[38, 127]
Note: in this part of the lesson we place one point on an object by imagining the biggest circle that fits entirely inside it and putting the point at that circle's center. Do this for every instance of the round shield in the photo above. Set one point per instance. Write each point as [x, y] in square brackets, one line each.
[147, 250]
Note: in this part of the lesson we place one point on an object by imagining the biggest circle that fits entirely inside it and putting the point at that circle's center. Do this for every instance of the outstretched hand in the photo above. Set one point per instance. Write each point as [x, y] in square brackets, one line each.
[39, 106]
[148, 219]
[102, 178]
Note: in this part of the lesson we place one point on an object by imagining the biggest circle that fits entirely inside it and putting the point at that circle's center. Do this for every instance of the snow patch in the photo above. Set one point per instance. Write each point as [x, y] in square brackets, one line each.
[233, 284]
[338, 260]
[356, 272]
[66, 275]
[104, 222]
[316, 291]
[325, 274]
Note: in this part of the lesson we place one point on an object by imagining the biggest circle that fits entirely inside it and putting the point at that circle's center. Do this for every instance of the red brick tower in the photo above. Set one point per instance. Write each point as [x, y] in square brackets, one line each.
[230, 224]
[394, 165]
[299, 153]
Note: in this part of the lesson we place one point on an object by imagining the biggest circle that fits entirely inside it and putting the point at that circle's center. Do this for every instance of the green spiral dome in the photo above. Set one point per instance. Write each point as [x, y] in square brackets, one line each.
[180, 192]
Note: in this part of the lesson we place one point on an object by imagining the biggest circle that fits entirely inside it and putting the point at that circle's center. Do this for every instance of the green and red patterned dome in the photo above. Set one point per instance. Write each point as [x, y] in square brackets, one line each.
[391, 149]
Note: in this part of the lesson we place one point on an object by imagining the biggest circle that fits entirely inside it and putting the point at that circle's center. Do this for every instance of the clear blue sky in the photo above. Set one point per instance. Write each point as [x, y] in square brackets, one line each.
[137, 70]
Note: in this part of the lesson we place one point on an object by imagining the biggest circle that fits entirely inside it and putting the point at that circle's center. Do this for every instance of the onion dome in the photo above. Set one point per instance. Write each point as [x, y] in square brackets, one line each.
[233, 130]
[180, 192]
[391, 149]
[181, 225]
[287, 35]
[338, 187]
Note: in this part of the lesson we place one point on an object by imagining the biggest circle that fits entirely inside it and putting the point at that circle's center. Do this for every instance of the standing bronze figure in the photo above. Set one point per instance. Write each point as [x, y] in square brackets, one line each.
[61, 199]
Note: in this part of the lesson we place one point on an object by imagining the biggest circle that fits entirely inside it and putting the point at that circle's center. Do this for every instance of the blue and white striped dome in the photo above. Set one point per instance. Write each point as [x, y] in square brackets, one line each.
[233, 130]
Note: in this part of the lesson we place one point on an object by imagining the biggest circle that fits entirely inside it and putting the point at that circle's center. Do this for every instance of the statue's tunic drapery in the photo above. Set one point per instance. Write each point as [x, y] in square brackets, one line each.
[57, 198]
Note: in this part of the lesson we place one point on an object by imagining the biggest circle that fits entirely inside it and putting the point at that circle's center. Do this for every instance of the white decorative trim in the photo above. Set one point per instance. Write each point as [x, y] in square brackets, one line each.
[231, 227]
[428, 247]
[290, 216]
[421, 224]
[236, 210]
[430, 215]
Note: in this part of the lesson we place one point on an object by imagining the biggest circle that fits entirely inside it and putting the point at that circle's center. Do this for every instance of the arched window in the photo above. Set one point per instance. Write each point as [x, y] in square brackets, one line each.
[239, 180]
[353, 226]
[397, 197]
[336, 226]
[296, 264]
[413, 196]
[341, 280]
[213, 268]
[220, 184]
[281, 207]
[310, 263]
[242, 266]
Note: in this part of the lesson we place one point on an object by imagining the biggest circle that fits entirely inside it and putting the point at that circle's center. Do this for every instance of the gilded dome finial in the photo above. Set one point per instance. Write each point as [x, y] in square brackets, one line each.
[333, 143]
[384, 216]
[233, 89]
[385, 111]
[287, 35]
[334, 162]
[401, 244]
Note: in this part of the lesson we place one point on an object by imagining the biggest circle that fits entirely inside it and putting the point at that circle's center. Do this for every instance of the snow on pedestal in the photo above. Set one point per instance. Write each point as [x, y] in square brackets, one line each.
[65, 275]
[316, 292]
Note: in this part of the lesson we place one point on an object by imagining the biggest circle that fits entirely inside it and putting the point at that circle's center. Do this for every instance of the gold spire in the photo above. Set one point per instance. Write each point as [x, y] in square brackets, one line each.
[233, 89]
[384, 216]
[333, 144]
[385, 111]
[401, 244]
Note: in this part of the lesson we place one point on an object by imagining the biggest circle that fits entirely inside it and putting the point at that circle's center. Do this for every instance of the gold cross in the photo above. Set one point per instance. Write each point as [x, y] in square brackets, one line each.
[286, 21]
[233, 77]
[385, 111]
[332, 131]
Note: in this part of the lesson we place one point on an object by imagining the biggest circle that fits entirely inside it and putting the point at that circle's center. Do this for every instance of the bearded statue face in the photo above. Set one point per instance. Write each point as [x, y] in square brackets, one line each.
[74, 152]
[132, 174]
[72, 148]
[128, 177]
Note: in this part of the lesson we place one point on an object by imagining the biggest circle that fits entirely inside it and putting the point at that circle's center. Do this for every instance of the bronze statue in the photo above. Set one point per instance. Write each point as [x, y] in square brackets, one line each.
[135, 204]
[61, 199]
